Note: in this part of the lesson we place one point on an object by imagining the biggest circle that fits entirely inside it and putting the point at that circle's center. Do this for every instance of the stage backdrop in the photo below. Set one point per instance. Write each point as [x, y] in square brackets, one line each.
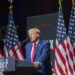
[47, 24]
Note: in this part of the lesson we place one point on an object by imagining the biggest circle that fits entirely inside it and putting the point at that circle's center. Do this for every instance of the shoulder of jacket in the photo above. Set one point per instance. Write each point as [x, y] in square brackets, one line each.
[28, 44]
[45, 41]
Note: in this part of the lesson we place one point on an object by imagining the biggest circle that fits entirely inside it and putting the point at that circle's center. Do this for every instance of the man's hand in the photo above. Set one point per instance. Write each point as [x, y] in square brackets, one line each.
[37, 65]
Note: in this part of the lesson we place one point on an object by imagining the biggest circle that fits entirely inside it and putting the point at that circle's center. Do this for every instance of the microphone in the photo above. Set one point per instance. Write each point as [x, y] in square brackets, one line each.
[25, 41]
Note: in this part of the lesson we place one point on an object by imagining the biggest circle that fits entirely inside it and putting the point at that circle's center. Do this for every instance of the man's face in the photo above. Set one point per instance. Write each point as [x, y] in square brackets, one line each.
[33, 36]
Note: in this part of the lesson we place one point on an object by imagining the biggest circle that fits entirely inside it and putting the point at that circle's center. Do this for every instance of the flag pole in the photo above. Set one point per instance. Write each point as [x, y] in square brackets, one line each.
[10, 7]
[73, 2]
[60, 2]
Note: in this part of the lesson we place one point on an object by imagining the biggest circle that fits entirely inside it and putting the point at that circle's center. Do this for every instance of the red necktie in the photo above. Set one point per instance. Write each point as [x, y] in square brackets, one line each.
[33, 52]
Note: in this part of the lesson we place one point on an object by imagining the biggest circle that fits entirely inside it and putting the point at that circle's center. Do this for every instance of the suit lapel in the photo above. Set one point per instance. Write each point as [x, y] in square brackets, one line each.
[30, 48]
[38, 47]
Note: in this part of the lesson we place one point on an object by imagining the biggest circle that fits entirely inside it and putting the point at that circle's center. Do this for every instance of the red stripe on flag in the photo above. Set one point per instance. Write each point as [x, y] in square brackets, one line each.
[22, 54]
[71, 55]
[59, 68]
[60, 55]
[64, 45]
[14, 53]
[74, 59]
[6, 53]
[74, 67]
[1, 53]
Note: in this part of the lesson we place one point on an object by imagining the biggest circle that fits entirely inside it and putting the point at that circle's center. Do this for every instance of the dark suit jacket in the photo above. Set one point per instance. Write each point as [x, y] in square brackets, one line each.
[41, 54]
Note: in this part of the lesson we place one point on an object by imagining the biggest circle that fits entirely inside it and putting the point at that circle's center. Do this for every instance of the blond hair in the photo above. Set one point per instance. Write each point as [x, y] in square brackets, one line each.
[34, 29]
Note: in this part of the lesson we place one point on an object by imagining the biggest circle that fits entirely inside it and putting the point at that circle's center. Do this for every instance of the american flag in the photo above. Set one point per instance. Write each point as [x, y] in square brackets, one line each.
[1, 49]
[71, 33]
[1, 53]
[60, 48]
[12, 46]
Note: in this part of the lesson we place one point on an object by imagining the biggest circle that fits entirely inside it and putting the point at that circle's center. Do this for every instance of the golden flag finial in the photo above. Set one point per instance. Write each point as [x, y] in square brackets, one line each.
[60, 2]
[73, 2]
[10, 7]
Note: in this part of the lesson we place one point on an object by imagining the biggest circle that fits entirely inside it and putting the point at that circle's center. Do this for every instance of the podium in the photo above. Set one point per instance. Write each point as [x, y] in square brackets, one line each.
[22, 68]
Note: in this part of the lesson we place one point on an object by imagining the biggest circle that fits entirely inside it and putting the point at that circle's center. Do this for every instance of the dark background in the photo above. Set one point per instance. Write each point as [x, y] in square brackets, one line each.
[25, 8]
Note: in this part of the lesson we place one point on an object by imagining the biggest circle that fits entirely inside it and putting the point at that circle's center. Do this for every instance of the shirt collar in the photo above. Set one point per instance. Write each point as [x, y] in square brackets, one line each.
[37, 42]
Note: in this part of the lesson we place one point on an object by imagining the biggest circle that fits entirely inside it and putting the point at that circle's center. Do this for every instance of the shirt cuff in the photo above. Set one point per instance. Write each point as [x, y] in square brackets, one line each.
[37, 62]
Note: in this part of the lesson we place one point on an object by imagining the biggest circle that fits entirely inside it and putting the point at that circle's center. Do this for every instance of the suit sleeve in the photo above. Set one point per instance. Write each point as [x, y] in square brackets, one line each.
[45, 50]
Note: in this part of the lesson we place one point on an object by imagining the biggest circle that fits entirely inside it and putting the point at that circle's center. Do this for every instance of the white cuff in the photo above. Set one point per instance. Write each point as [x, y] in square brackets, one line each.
[37, 62]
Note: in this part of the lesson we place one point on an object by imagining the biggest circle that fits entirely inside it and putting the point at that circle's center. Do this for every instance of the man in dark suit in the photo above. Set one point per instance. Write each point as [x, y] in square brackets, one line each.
[37, 51]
